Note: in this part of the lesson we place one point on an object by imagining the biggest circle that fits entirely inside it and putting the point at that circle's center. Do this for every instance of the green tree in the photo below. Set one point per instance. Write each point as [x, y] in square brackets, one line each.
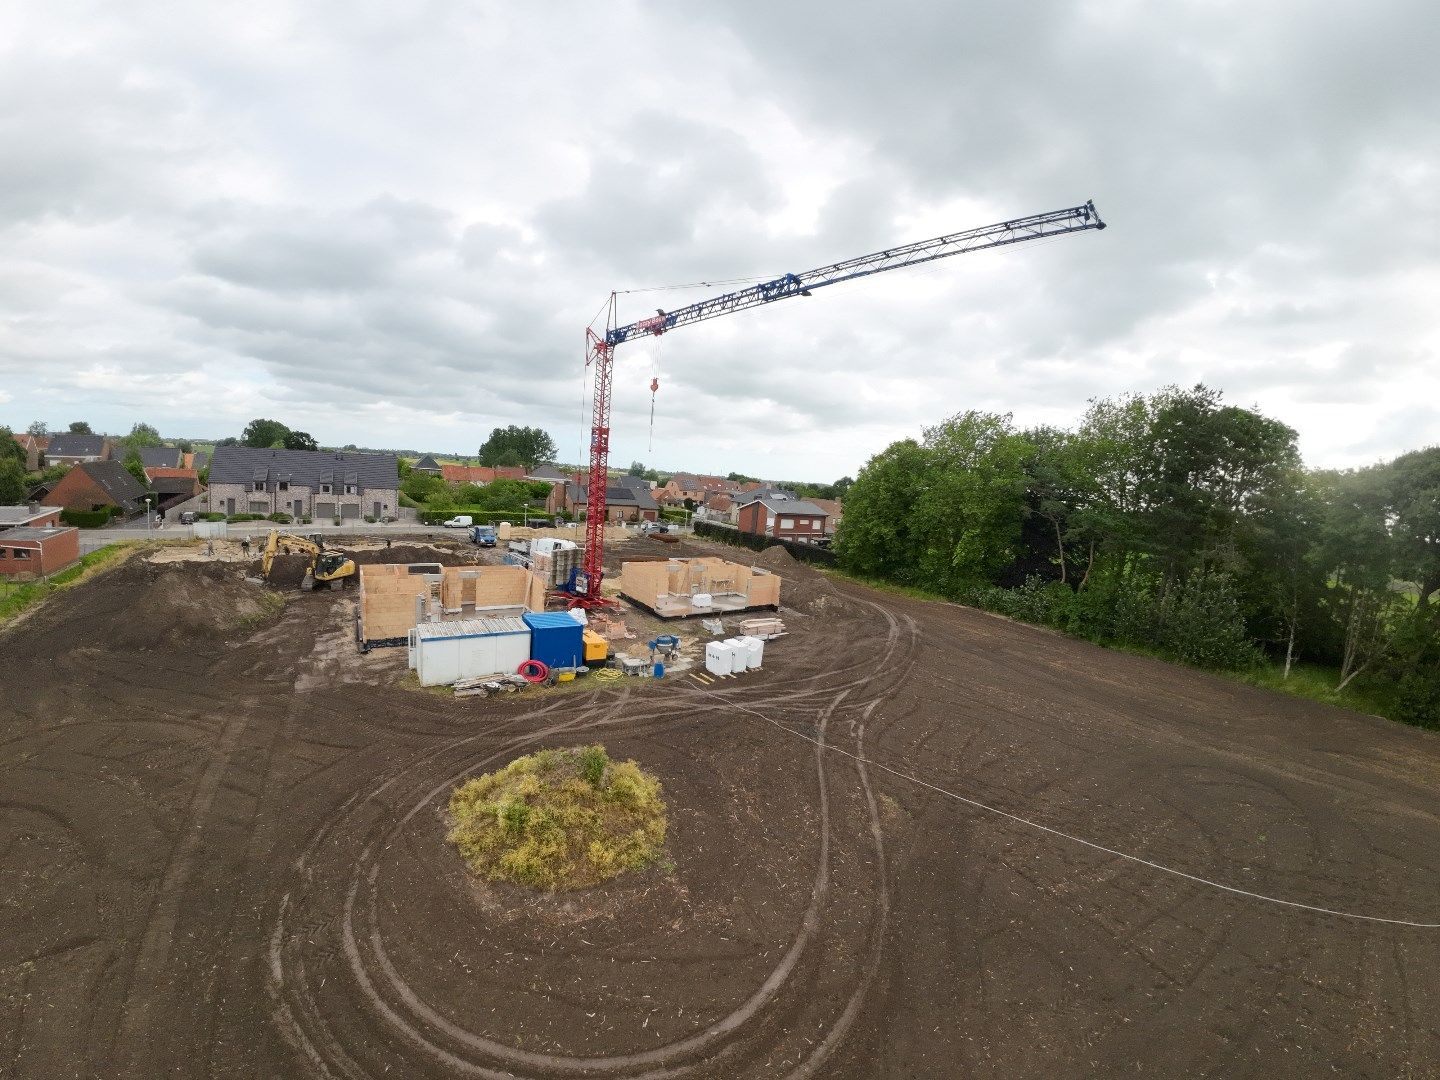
[38, 427]
[263, 434]
[12, 481]
[10, 449]
[142, 435]
[876, 537]
[299, 440]
[136, 467]
[80, 427]
[1413, 484]
[512, 445]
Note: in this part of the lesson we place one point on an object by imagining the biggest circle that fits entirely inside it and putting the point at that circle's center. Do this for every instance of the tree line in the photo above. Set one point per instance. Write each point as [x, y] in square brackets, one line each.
[1176, 523]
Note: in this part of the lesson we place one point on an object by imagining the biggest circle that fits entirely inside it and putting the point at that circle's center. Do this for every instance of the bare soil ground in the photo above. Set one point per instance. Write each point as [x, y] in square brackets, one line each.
[222, 855]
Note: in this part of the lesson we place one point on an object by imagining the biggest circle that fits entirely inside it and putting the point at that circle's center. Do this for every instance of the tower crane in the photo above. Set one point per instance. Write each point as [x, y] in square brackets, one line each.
[600, 350]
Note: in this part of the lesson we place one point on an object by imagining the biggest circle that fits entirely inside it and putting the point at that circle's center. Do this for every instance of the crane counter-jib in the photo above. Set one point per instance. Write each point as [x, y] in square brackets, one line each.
[600, 349]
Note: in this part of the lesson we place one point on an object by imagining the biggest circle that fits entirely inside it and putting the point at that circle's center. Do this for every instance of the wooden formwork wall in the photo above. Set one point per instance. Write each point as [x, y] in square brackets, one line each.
[388, 592]
[646, 581]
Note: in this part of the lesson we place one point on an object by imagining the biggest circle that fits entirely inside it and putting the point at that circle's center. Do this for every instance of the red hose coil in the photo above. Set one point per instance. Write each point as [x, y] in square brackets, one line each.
[533, 671]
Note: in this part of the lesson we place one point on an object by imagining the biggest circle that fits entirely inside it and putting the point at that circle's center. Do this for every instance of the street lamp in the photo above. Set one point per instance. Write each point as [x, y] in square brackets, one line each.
[147, 512]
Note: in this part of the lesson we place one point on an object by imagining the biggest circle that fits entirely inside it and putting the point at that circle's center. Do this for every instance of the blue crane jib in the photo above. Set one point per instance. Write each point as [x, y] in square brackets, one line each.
[1054, 223]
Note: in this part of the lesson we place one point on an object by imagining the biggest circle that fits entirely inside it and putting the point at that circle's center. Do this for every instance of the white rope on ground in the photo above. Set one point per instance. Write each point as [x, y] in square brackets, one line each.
[1089, 843]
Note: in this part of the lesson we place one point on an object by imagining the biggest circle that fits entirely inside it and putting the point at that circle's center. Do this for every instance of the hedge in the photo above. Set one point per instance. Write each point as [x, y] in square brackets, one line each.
[85, 519]
[515, 517]
[804, 552]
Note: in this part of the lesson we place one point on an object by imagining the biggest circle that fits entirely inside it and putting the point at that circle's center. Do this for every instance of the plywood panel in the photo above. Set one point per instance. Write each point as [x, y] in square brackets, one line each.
[388, 592]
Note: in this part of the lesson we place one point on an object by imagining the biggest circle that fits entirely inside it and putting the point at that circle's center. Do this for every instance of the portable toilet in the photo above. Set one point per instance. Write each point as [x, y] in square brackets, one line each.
[719, 658]
[754, 650]
[446, 652]
[556, 640]
[739, 655]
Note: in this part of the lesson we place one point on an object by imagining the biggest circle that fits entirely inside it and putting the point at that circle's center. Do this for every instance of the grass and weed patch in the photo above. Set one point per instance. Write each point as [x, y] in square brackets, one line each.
[559, 819]
[15, 599]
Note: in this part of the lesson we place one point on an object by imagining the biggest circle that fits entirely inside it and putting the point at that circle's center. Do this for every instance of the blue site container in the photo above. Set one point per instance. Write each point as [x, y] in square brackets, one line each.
[556, 640]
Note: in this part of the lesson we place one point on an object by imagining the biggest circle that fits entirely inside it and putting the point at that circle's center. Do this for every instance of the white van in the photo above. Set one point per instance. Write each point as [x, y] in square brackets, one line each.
[460, 521]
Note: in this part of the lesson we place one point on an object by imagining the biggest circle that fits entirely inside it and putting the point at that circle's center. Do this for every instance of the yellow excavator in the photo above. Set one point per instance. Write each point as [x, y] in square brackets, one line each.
[327, 568]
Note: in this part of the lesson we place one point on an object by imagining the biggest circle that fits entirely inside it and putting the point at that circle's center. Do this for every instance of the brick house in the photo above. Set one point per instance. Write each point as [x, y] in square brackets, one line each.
[834, 512]
[34, 447]
[319, 484]
[480, 474]
[28, 552]
[623, 501]
[33, 516]
[690, 487]
[71, 449]
[98, 485]
[784, 519]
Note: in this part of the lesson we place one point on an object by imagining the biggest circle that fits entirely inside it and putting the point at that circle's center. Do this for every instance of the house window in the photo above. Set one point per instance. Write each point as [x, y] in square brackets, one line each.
[22, 553]
[351, 489]
[284, 485]
[324, 489]
[258, 486]
[3, 552]
[787, 523]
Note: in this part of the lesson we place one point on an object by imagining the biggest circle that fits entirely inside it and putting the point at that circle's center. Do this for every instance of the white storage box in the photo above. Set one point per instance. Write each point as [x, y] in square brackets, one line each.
[754, 650]
[740, 655]
[719, 658]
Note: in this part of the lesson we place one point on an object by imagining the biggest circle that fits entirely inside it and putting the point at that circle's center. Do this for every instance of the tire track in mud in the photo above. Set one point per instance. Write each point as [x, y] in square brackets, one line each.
[404, 1012]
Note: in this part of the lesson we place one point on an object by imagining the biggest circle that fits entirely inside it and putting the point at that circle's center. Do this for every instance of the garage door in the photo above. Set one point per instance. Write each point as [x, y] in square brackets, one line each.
[324, 510]
[350, 511]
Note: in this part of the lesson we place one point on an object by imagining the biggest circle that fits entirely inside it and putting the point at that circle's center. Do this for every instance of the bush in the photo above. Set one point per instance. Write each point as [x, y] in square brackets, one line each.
[281, 518]
[370, 519]
[245, 517]
[213, 515]
[85, 519]
[559, 819]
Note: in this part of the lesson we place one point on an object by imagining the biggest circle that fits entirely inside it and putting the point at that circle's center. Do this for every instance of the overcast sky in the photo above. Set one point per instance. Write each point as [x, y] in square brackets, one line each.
[389, 224]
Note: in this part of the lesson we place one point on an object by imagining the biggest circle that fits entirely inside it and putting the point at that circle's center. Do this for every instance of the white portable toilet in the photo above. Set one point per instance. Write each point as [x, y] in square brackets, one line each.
[446, 652]
[739, 655]
[754, 650]
[719, 658]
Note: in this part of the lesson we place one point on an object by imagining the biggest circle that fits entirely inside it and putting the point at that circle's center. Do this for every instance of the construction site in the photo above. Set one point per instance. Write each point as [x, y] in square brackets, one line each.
[918, 840]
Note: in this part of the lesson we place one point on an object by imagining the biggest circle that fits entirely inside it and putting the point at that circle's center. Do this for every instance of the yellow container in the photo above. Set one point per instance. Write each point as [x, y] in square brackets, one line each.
[565, 676]
[596, 647]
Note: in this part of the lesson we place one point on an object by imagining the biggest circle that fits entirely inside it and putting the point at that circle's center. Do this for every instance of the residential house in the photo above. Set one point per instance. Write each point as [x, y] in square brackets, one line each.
[34, 447]
[549, 474]
[196, 461]
[319, 484]
[161, 457]
[71, 449]
[33, 516]
[28, 552]
[98, 485]
[173, 486]
[631, 501]
[833, 513]
[784, 519]
[719, 508]
[480, 474]
[426, 464]
[691, 488]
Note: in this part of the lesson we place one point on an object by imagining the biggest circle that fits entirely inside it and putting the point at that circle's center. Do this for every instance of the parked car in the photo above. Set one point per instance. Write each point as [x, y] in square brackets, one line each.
[187, 518]
[460, 521]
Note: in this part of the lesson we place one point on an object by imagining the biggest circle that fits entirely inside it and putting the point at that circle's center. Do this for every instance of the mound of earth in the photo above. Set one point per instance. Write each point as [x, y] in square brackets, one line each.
[776, 557]
[142, 605]
[559, 819]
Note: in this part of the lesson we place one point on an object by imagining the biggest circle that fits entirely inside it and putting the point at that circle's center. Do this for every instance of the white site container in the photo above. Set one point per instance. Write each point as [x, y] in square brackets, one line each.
[446, 652]
[548, 545]
[701, 600]
[754, 650]
[740, 655]
[719, 658]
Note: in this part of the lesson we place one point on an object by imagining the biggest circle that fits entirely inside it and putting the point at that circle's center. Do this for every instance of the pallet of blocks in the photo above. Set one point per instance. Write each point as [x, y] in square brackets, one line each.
[763, 628]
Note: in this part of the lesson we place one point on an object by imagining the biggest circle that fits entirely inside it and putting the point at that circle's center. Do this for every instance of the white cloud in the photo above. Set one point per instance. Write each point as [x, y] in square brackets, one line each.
[390, 224]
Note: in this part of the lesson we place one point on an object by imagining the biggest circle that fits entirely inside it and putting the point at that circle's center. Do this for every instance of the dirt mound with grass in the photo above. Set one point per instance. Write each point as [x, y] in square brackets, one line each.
[143, 605]
[559, 819]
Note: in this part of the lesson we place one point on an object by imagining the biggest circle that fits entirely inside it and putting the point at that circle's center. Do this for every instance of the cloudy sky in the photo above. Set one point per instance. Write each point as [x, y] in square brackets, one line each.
[389, 224]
